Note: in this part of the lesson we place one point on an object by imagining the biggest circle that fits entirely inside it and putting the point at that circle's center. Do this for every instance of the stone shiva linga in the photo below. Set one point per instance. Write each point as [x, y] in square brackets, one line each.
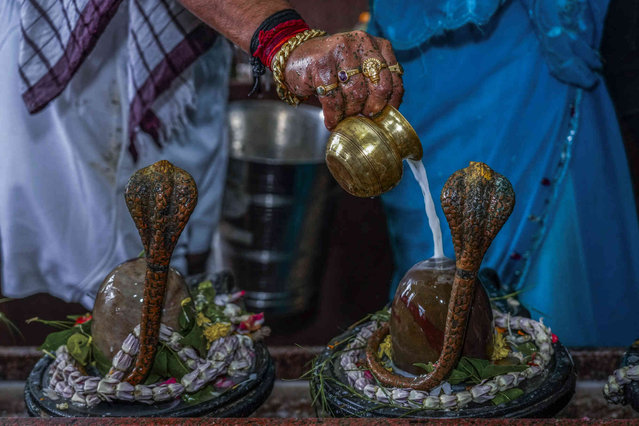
[476, 201]
[159, 350]
[440, 350]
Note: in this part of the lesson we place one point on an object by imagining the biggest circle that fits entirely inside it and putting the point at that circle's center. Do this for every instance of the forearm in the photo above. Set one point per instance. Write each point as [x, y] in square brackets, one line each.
[237, 20]
[312, 63]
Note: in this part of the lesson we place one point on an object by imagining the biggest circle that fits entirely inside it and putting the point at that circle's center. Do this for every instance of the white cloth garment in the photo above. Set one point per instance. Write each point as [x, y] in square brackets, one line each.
[63, 221]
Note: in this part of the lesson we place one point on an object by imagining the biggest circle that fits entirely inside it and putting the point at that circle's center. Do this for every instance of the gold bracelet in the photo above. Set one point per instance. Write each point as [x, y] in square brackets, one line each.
[278, 63]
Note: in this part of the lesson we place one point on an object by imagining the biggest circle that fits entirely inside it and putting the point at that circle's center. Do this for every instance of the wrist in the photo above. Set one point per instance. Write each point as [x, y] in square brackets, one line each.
[269, 37]
[270, 40]
[278, 64]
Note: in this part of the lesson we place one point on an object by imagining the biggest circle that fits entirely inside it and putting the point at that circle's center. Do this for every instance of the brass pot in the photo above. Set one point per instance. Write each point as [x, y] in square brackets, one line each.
[365, 155]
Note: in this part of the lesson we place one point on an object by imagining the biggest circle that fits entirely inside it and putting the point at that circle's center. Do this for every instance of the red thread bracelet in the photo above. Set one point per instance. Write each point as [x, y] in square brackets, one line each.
[271, 40]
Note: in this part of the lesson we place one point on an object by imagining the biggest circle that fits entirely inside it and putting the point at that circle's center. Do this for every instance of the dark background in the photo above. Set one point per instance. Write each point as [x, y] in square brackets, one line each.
[359, 263]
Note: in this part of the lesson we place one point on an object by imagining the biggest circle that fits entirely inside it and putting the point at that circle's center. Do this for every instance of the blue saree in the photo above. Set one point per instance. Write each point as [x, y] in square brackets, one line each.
[514, 84]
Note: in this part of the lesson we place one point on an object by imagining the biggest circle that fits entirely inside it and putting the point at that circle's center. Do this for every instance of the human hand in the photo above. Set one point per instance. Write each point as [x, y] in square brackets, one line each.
[324, 62]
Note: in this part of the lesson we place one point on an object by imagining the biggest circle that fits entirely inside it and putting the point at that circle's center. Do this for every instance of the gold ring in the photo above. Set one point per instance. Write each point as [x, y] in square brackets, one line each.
[344, 75]
[371, 68]
[396, 68]
[324, 90]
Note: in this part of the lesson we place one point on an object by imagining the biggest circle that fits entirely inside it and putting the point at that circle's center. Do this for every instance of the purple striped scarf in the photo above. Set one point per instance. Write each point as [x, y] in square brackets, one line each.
[163, 40]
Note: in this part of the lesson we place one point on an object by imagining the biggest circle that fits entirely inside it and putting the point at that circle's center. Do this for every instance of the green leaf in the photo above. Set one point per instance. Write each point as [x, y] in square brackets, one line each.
[206, 393]
[205, 295]
[54, 340]
[492, 370]
[161, 363]
[185, 319]
[85, 327]
[79, 347]
[151, 379]
[474, 370]
[527, 348]
[216, 313]
[176, 367]
[60, 324]
[101, 362]
[195, 339]
[428, 367]
[458, 376]
[383, 315]
[472, 367]
[475, 366]
[160, 368]
[206, 288]
[507, 396]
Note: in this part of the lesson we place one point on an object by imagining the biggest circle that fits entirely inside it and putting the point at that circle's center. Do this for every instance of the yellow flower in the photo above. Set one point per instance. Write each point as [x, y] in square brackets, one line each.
[385, 348]
[500, 348]
[201, 320]
[215, 331]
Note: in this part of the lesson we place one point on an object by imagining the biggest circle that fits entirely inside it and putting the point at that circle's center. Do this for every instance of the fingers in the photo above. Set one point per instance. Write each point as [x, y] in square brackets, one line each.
[352, 83]
[352, 72]
[332, 100]
[378, 92]
[362, 93]
[333, 107]
[397, 91]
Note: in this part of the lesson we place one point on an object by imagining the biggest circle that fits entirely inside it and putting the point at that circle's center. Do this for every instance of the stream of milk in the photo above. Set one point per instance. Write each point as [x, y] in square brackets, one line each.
[419, 171]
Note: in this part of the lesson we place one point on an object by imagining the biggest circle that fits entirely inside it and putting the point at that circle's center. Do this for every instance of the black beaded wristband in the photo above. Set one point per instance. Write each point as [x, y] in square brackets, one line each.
[258, 68]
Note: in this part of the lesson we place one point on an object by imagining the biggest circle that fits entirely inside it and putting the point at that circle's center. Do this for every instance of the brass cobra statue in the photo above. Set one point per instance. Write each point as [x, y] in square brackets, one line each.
[477, 202]
[160, 198]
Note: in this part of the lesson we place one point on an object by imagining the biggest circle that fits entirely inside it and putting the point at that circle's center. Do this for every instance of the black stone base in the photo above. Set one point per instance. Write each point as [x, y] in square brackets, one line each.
[241, 401]
[545, 395]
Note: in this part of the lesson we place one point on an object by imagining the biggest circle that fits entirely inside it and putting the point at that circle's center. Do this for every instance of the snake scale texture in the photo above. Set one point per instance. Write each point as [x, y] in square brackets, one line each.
[477, 201]
[160, 198]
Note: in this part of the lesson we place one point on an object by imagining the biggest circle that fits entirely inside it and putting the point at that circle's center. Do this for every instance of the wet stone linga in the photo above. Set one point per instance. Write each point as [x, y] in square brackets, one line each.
[118, 305]
[418, 316]
[477, 201]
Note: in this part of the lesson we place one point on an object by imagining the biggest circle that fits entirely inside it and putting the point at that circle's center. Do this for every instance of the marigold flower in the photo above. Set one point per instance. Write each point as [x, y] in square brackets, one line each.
[500, 348]
[217, 330]
[385, 348]
[202, 320]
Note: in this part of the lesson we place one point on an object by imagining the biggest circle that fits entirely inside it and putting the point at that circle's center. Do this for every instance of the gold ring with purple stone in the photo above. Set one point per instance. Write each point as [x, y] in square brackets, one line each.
[344, 75]
[371, 68]
[325, 90]
[397, 68]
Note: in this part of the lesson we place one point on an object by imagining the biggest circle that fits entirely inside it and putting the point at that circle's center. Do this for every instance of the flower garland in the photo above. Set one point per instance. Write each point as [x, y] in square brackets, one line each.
[219, 328]
[614, 389]
[232, 355]
[479, 393]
